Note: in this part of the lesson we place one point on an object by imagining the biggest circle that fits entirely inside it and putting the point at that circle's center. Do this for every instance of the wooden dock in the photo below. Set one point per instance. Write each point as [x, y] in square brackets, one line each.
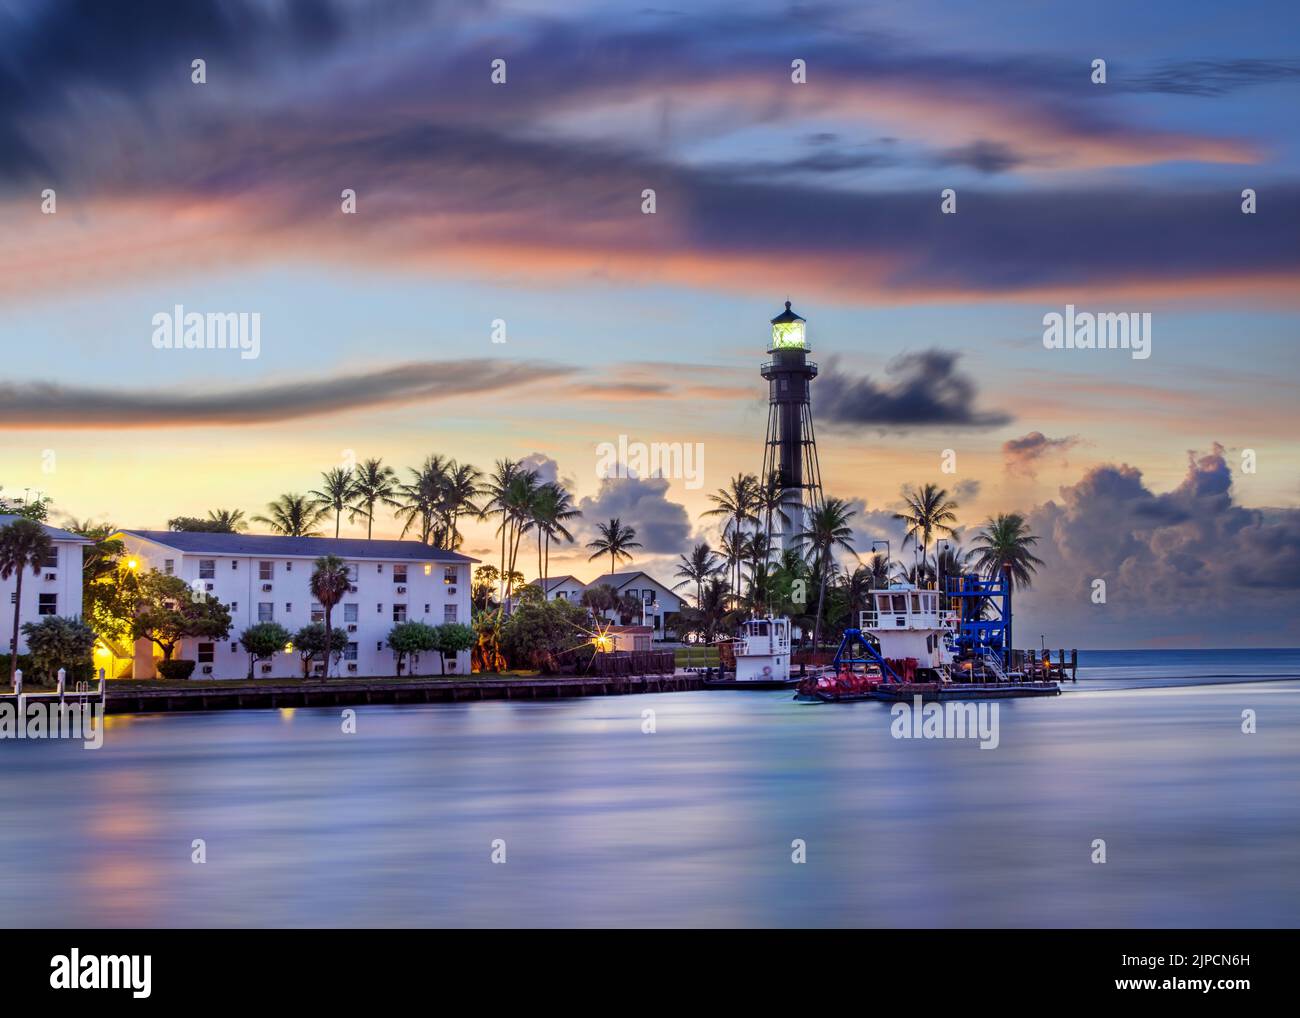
[264, 695]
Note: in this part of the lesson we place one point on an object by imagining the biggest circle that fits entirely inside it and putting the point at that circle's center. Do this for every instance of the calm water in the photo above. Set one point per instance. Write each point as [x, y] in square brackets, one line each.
[689, 826]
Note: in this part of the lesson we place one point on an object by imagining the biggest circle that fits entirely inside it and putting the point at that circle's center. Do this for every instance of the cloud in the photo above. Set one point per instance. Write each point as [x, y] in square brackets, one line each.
[51, 405]
[1210, 77]
[924, 390]
[984, 156]
[548, 470]
[1023, 455]
[1187, 565]
[663, 527]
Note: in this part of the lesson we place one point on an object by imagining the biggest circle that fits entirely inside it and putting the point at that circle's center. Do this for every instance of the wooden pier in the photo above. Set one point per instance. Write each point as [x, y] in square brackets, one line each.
[264, 695]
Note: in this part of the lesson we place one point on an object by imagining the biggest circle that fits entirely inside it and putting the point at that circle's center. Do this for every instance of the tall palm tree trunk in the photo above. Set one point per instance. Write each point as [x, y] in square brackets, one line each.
[13, 646]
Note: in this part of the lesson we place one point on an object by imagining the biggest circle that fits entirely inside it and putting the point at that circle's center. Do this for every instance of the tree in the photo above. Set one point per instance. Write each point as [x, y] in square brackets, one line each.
[170, 611]
[218, 521]
[699, 566]
[263, 641]
[714, 611]
[99, 567]
[552, 507]
[35, 509]
[315, 640]
[828, 529]
[485, 581]
[928, 511]
[738, 504]
[294, 515]
[1005, 546]
[410, 639]
[56, 642]
[335, 493]
[600, 598]
[615, 540]
[437, 496]
[329, 582]
[539, 634]
[453, 637]
[24, 545]
[374, 484]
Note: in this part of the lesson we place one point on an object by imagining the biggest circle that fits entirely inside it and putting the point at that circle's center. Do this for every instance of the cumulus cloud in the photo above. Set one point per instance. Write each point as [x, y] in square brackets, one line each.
[922, 390]
[662, 526]
[1023, 455]
[1189, 564]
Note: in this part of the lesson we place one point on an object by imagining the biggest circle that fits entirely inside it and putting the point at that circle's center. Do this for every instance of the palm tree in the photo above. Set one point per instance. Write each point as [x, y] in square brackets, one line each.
[100, 559]
[615, 541]
[420, 501]
[1003, 546]
[880, 569]
[294, 515]
[828, 529]
[227, 521]
[335, 492]
[329, 582]
[552, 507]
[768, 504]
[496, 487]
[24, 545]
[517, 516]
[462, 486]
[374, 484]
[929, 511]
[714, 611]
[737, 503]
[701, 565]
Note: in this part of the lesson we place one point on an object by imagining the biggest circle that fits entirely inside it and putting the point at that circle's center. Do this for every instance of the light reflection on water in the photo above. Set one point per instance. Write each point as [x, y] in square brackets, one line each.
[604, 825]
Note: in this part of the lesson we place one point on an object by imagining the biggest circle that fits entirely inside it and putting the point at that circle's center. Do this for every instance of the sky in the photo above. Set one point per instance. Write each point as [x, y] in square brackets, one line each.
[516, 211]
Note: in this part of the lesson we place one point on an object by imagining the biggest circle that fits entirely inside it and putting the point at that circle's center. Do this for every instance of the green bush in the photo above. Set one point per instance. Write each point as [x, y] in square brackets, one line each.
[57, 642]
[176, 670]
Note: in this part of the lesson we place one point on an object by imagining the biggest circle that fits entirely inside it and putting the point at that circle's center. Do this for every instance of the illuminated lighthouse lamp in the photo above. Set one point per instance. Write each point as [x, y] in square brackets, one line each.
[787, 330]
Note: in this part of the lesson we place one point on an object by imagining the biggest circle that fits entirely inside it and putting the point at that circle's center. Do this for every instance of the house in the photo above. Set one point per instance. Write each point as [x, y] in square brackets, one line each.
[630, 637]
[265, 578]
[54, 590]
[657, 599]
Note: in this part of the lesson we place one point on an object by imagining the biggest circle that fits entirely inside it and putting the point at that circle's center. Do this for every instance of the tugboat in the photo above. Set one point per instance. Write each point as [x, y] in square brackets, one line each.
[762, 656]
[907, 644]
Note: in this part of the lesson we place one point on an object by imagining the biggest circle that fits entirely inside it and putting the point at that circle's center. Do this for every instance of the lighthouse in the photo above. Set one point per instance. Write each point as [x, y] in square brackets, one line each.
[790, 453]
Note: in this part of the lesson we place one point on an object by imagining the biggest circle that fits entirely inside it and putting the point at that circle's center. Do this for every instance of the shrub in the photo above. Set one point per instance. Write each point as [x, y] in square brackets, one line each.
[56, 642]
[176, 670]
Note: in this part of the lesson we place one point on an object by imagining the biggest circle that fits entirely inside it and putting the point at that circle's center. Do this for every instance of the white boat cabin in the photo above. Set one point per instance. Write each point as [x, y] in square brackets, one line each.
[910, 623]
[763, 650]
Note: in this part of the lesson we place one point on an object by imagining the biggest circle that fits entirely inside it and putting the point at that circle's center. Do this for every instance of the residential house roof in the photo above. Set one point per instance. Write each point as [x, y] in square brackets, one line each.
[54, 533]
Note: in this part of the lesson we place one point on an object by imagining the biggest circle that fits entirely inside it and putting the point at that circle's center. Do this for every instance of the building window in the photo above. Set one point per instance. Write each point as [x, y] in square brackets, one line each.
[51, 561]
[399, 574]
[449, 575]
[288, 607]
[317, 612]
[169, 566]
[399, 613]
[426, 608]
[449, 613]
[561, 595]
[350, 612]
[265, 611]
[207, 569]
[207, 653]
[352, 572]
[234, 563]
[266, 570]
[234, 648]
[350, 652]
[49, 605]
[379, 608]
[234, 606]
[288, 567]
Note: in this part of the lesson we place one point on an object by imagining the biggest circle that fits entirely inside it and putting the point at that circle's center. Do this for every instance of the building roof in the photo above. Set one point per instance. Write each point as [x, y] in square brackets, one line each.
[555, 581]
[620, 580]
[54, 533]
[252, 545]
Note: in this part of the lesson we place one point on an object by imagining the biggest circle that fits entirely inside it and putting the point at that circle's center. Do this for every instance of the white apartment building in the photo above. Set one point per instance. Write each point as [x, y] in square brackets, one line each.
[54, 590]
[264, 578]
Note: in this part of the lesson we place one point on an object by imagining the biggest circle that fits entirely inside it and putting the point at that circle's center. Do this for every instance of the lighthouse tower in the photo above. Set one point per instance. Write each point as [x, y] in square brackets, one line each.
[790, 455]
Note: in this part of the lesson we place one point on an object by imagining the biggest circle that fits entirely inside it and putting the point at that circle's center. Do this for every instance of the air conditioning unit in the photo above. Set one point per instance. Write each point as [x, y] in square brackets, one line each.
[207, 669]
[352, 666]
[352, 627]
[51, 576]
[400, 590]
[266, 669]
[352, 590]
[266, 587]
